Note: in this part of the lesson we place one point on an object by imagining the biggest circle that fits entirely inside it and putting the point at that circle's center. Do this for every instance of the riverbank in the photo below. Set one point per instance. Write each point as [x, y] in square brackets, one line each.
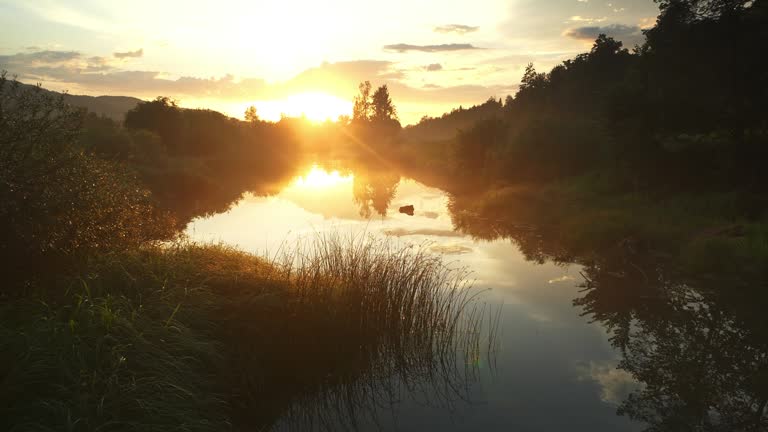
[199, 338]
[722, 233]
[701, 234]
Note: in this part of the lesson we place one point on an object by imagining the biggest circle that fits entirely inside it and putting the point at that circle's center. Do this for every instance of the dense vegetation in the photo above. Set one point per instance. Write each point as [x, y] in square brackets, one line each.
[685, 110]
[663, 145]
[109, 323]
[195, 161]
[57, 201]
[203, 338]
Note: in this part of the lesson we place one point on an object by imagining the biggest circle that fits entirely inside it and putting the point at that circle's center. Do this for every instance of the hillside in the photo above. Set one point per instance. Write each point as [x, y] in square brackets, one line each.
[447, 125]
[113, 107]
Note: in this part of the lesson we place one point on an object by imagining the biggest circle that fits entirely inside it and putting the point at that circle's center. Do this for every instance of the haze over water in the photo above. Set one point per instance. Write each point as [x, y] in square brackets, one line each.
[550, 359]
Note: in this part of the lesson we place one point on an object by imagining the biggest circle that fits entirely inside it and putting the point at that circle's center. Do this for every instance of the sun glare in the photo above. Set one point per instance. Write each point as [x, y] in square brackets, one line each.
[315, 106]
[320, 178]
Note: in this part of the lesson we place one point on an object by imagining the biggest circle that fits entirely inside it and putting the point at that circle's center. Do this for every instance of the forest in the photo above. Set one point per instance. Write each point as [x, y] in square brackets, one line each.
[662, 146]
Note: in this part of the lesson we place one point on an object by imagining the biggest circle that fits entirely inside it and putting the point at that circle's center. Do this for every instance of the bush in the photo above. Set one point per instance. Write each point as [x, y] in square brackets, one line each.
[56, 199]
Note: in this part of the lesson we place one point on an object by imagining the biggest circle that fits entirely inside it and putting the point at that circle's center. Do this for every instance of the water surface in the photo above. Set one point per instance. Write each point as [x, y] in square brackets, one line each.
[552, 369]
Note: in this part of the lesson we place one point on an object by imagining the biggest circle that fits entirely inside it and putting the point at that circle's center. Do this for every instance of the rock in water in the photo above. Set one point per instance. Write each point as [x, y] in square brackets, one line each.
[407, 210]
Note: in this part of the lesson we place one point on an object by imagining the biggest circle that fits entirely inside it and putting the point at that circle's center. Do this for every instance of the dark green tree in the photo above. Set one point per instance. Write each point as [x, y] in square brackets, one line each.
[382, 108]
[161, 116]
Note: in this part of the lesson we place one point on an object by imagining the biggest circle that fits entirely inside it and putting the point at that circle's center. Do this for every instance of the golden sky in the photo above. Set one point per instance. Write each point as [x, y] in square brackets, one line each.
[303, 56]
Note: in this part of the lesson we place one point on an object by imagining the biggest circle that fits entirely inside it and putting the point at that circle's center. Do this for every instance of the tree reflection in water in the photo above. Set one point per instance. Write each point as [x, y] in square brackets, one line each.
[701, 356]
[698, 347]
[374, 190]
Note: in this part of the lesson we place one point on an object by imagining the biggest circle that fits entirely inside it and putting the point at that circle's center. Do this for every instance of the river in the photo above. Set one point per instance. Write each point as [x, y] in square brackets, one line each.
[551, 369]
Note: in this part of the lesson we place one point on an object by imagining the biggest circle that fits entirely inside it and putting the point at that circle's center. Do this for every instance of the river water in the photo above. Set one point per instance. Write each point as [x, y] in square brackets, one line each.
[552, 368]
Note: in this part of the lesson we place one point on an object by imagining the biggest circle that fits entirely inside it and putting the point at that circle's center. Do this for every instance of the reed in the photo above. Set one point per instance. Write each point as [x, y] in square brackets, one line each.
[190, 337]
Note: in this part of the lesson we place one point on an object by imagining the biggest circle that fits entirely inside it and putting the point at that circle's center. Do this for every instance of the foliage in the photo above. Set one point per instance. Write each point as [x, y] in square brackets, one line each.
[197, 338]
[251, 116]
[683, 112]
[696, 345]
[198, 162]
[361, 110]
[376, 110]
[447, 125]
[383, 108]
[57, 199]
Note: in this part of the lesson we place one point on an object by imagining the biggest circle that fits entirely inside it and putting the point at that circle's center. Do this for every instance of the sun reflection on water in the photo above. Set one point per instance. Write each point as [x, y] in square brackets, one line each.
[318, 178]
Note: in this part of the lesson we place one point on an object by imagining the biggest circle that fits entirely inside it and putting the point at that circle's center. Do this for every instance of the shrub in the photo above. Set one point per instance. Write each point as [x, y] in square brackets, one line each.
[56, 199]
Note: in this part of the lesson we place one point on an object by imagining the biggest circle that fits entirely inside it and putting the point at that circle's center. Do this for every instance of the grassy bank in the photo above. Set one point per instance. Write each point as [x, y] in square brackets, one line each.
[202, 338]
[703, 233]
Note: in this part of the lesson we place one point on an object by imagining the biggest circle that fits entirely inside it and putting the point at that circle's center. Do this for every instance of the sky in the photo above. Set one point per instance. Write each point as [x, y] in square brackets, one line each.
[303, 56]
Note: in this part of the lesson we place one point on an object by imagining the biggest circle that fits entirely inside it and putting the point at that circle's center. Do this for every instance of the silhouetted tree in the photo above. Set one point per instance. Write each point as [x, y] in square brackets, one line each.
[361, 110]
[161, 116]
[382, 108]
[698, 9]
[344, 120]
[251, 116]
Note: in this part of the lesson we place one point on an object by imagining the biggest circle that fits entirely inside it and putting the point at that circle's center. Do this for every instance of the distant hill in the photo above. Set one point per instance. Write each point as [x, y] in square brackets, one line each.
[113, 107]
[446, 126]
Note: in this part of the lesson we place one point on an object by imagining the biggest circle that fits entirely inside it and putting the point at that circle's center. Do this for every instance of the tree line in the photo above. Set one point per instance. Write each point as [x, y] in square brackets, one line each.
[686, 109]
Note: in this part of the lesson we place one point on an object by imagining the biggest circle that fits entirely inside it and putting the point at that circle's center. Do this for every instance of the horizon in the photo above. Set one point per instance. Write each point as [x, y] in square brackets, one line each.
[444, 55]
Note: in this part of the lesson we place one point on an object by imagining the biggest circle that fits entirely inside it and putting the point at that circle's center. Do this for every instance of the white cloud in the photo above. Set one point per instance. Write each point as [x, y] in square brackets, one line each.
[615, 384]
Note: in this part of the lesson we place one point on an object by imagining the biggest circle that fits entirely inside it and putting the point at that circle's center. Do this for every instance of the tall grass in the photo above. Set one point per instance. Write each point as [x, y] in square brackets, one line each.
[396, 317]
[189, 337]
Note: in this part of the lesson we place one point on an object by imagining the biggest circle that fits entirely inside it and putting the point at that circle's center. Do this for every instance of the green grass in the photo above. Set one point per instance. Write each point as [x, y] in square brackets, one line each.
[704, 233]
[207, 338]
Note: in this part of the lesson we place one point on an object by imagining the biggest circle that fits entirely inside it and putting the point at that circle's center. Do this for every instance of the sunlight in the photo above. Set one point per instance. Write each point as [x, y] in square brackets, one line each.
[319, 178]
[319, 106]
[315, 106]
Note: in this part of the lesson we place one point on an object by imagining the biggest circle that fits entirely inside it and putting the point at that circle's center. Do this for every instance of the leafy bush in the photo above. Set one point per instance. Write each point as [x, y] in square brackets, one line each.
[56, 199]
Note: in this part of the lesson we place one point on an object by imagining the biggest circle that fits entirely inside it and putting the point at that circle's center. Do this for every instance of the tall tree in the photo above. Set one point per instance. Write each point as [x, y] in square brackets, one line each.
[702, 9]
[251, 116]
[361, 111]
[383, 109]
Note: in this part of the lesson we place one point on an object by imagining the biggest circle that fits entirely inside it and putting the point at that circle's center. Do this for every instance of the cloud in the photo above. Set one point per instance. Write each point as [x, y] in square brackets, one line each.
[342, 73]
[615, 384]
[451, 249]
[53, 65]
[630, 35]
[579, 18]
[80, 74]
[402, 47]
[41, 57]
[565, 278]
[75, 71]
[402, 232]
[433, 67]
[130, 54]
[456, 28]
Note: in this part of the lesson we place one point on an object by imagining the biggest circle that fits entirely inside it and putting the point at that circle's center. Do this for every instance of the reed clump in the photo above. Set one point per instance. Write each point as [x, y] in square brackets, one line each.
[190, 337]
